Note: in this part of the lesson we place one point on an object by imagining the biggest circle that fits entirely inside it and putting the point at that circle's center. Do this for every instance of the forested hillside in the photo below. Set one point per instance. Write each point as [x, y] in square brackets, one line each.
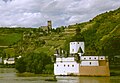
[101, 35]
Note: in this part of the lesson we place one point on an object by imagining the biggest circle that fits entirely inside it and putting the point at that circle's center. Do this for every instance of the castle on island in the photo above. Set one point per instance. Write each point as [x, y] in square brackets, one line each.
[79, 64]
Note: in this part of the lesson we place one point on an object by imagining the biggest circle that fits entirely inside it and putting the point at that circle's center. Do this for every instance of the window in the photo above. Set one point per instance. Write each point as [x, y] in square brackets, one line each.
[64, 65]
[101, 58]
[78, 42]
[72, 50]
[57, 65]
[72, 65]
[94, 58]
[90, 63]
[68, 65]
[72, 54]
[90, 58]
[84, 58]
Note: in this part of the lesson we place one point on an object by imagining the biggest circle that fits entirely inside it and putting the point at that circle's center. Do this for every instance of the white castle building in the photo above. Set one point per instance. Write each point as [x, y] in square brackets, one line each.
[78, 64]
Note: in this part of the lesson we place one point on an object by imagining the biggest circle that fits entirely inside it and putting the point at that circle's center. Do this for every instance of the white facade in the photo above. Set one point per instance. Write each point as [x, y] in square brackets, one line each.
[85, 58]
[75, 46]
[66, 66]
[89, 63]
[102, 57]
[5, 61]
[91, 60]
[70, 65]
[9, 61]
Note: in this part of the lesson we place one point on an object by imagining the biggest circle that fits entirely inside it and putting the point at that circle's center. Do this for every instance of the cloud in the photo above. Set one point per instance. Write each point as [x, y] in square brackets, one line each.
[35, 13]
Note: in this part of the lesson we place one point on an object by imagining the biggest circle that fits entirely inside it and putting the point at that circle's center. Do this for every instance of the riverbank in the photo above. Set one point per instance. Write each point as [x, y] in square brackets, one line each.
[7, 66]
[27, 74]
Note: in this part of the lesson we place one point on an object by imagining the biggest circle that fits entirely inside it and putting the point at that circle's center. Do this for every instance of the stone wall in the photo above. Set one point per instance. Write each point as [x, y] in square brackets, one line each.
[94, 70]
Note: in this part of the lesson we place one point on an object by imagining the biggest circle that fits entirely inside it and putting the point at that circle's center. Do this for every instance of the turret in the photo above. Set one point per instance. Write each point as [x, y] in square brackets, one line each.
[77, 47]
[49, 25]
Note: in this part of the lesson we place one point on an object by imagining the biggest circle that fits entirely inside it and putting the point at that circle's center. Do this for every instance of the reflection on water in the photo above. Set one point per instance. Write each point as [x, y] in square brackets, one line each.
[9, 76]
[84, 79]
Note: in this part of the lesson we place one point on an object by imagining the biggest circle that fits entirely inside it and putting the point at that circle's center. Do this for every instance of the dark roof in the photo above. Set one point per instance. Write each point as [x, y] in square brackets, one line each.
[80, 50]
[11, 59]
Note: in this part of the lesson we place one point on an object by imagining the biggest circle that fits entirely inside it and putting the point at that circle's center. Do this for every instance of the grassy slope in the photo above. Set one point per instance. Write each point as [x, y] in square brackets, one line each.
[9, 39]
[53, 41]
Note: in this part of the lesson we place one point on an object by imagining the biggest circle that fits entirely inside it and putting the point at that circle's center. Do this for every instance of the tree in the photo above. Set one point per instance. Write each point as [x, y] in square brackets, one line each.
[34, 63]
[20, 65]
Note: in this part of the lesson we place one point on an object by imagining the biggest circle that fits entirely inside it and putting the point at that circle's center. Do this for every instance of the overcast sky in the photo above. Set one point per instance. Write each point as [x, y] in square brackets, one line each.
[35, 13]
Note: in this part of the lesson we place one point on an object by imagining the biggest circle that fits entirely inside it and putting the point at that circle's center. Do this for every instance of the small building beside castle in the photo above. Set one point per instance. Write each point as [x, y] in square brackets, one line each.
[79, 64]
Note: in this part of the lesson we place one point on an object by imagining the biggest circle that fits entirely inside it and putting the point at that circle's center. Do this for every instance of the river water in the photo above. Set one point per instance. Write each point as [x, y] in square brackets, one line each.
[9, 76]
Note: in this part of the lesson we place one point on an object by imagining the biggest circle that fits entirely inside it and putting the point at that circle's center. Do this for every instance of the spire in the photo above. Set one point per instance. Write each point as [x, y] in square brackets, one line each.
[80, 50]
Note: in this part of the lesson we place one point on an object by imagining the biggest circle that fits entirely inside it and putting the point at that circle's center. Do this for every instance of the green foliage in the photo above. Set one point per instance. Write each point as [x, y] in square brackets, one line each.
[111, 47]
[35, 63]
[49, 69]
[21, 65]
[10, 52]
[9, 39]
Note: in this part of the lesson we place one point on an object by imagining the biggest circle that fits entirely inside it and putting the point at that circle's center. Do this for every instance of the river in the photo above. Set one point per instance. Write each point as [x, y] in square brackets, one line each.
[8, 75]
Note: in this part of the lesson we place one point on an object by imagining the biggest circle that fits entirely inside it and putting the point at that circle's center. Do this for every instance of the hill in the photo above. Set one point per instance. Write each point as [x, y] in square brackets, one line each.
[101, 35]
[103, 32]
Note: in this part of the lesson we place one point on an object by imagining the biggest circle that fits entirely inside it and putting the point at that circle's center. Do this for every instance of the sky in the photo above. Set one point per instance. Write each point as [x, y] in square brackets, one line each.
[36, 13]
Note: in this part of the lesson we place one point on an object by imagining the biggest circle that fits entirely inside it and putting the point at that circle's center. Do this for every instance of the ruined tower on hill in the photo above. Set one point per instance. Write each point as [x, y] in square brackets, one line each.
[48, 27]
[49, 24]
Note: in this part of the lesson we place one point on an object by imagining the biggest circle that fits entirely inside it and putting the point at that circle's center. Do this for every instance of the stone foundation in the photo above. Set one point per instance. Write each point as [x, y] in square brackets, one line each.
[94, 71]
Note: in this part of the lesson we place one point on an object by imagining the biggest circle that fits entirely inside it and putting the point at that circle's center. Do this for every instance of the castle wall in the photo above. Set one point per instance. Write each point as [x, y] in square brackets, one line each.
[89, 63]
[95, 70]
[66, 68]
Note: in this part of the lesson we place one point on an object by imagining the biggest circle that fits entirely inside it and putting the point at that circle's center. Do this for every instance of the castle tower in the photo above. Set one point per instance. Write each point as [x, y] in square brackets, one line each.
[49, 25]
[76, 47]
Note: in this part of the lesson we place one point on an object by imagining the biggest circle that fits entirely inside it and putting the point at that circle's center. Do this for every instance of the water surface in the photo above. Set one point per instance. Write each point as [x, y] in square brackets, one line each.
[8, 75]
